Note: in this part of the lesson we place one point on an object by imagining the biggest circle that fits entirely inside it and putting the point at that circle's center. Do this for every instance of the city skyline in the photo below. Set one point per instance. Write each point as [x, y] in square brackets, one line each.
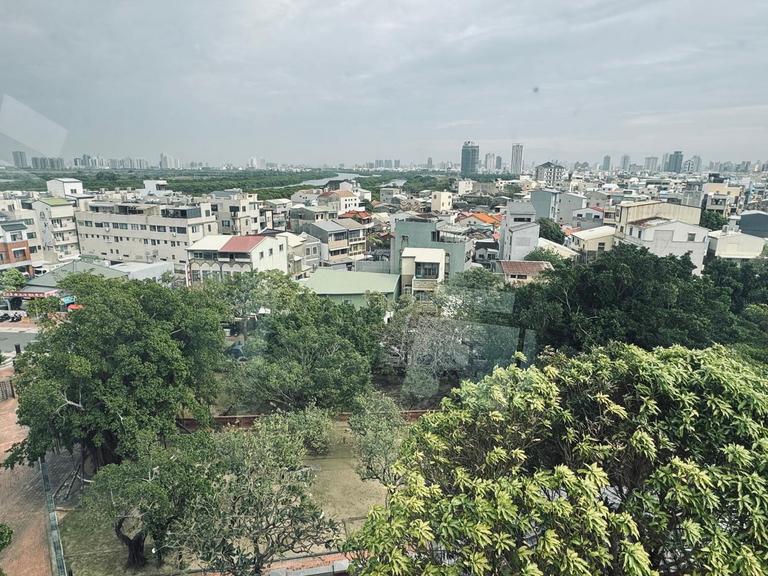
[272, 80]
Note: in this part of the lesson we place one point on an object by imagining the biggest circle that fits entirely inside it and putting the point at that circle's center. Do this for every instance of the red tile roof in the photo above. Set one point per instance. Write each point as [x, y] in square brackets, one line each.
[596, 208]
[241, 243]
[486, 218]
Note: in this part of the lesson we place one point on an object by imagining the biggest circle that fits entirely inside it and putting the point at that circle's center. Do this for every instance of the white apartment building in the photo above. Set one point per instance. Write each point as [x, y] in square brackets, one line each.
[217, 256]
[664, 237]
[61, 187]
[441, 201]
[551, 174]
[58, 230]
[735, 246]
[236, 212]
[141, 232]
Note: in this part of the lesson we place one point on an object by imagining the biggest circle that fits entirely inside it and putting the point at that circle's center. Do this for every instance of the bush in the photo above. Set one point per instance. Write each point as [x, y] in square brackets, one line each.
[314, 426]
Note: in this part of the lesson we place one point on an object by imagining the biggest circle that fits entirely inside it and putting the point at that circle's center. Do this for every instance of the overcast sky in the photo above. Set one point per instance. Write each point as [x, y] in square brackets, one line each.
[354, 80]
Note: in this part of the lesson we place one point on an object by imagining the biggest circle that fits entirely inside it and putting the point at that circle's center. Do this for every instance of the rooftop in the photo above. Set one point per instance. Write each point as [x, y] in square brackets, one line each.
[524, 267]
[520, 208]
[52, 278]
[425, 254]
[241, 243]
[598, 232]
[55, 201]
[210, 243]
[325, 281]
[651, 221]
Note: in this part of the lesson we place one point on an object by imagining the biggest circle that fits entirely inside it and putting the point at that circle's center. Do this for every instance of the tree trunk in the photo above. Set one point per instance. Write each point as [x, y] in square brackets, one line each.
[135, 545]
[243, 327]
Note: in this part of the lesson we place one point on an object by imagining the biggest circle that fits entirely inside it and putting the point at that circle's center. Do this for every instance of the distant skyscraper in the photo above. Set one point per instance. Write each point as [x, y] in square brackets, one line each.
[498, 163]
[651, 163]
[676, 162]
[262, 163]
[387, 163]
[696, 164]
[606, 163]
[490, 161]
[470, 156]
[20, 159]
[625, 163]
[397, 163]
[665, 162]
[516, 164]
[429, 163]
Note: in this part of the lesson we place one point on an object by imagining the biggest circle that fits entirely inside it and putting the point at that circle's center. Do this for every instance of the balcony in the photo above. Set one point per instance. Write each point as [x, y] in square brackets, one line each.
[337, 244]
[424, 284]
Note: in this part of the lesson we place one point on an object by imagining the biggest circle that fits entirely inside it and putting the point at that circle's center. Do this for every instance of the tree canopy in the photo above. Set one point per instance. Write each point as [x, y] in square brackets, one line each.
[550, 230]
[118, 371]
[712, 220]
[13, 280]
[620, 461]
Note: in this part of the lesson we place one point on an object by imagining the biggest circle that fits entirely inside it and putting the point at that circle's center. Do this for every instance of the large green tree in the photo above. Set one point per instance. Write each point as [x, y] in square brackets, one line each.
[13, 280]
[629, 295]
[118, 371]
[619, 461]
[745, 283]
[712, 220]
[6, 535]
[257, 511]
[143, 497]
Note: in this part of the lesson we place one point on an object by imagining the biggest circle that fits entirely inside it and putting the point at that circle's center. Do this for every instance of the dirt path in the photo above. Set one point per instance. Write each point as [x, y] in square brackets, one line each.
[22, 506]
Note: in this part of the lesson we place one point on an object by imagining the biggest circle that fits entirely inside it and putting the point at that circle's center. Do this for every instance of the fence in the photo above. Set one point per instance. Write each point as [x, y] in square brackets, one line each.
[247, 420]
[6, 389]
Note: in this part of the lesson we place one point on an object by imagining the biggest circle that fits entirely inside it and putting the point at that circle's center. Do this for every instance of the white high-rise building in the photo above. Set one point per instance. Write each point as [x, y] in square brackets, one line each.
[651, 163]
[262, 163]
[516, 165]
[625, 163]
[490, 162]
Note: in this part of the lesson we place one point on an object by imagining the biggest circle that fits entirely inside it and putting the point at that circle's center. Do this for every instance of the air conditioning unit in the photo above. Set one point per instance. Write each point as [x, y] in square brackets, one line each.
[173, 234]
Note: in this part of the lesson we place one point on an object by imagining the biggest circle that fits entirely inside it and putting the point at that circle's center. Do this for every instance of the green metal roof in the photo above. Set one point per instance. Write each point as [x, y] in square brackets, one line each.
[53, 277]
[14, 225]
[325, 281]
[55, 201]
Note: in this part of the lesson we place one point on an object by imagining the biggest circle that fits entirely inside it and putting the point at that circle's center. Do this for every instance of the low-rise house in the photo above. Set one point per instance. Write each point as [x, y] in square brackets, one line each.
[303, 253]
[278, 207]
[218, 256]
[520, 272]
[306, 197]
[732, 245]
[441, 201]
[591, 244]
[664, 237]
[634, 211]
[339, 200]
[478, 219]
[236, 212]
[299, 217]
[568, 203]
[334, 240]
[486, 252]
[559, 249]
[519, 231]
[14, 247]
[546, 203]
[356, 236]
[422, 270]
[351, 287]
[586, 218]
[428, 231]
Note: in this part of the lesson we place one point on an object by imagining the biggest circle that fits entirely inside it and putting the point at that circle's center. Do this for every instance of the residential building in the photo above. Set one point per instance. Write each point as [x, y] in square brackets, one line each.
[303, 253]
[470, 157]
[591, 244]
[559, 249]
[351, 287]
[14, 247]
[464, 186]
[20, 159]
[298, 217]
[387, 195]
[606, 163]
[732, 245]
[442, 201]
[429, 164]
[356, 236]
[521, 272]
[218, 256]
[676, 162]
[546, 202]
[422, 270]
[143, 232]
[516, 163]
[236, 212]
[431, 232]
[754, 223]
[478, 219]
[144, 270]
[631, 211]
[588, 218]
[519, 231]
[58, 230]
[61, 187]
[334, 240]
[486, 252]
[306, 197]
[498, 163]
[651, 163]
[549, 173]
[490, 162]
[625, 163]
[663, 237]
[339, 200]
[567, 204]
[274, 213]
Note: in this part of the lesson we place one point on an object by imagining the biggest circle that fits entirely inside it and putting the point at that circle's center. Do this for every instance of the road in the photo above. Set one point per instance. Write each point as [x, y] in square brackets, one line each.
[13, 335]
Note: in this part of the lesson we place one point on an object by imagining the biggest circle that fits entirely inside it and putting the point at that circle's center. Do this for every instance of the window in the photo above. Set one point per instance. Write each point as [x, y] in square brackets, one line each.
[640, 233]
[87, 223]
[308, 252]
[123, 226]
[281, 247]
[601, 246]
[209, 227]
[692, 237]
[194, 229]
[181, 229]
[152, 228]
[142, 226]
[16, 237]
[207, 212]
[31, 235]
[98, 224]
[134, 226]
[271, 251]
[261, 255]
[161, 228]
[226, 223]
[314, 250]
[20, 254]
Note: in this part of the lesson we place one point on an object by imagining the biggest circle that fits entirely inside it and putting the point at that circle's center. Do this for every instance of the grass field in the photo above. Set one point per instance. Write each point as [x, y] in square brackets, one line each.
[93, 550]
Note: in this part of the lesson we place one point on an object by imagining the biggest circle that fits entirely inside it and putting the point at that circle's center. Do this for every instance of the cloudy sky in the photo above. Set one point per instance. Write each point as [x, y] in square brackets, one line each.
[354, 80]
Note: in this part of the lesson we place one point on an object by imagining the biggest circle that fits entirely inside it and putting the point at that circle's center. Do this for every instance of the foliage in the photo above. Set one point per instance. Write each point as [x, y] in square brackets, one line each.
[745, 283]
[712, 220]
[627, 295]
[546, 255]
[619, 461]
[143, 497]
[13, 280]
[313, 425]
[6, 535]
[378, 428]
[46, 311]
[419, 385]
[314, 352]
[117, 372]
[256, 512]
[752, 329]
[550, 230]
